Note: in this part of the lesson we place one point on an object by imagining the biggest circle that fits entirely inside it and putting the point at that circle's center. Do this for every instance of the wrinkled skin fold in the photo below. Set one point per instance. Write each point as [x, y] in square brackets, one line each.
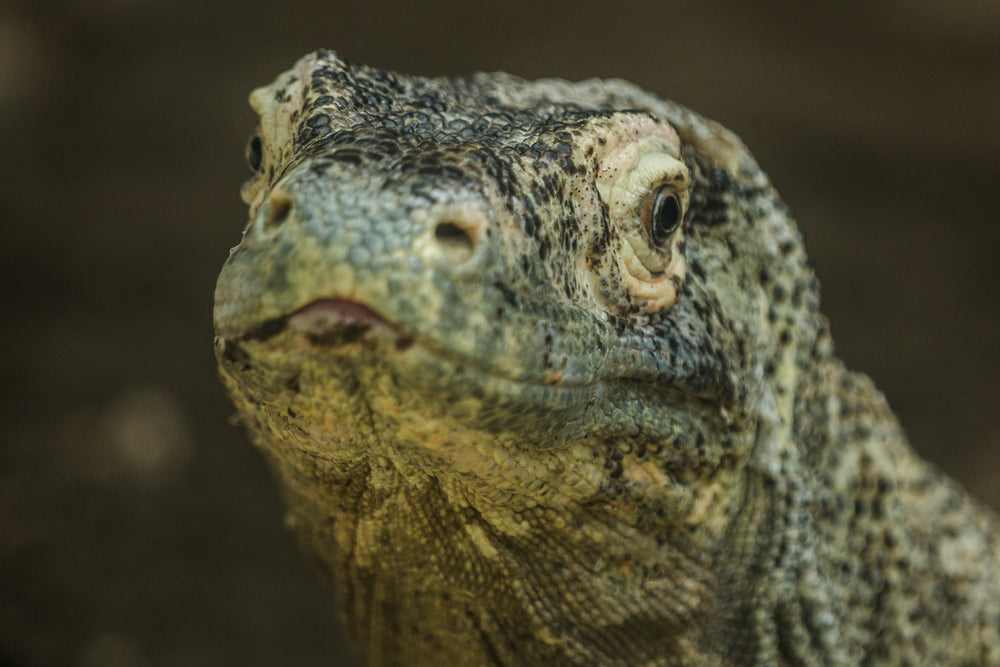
[542, 375]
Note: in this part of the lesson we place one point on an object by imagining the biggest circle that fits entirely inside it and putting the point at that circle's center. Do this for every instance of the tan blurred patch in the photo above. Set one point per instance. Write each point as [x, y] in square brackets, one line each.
[139, 437]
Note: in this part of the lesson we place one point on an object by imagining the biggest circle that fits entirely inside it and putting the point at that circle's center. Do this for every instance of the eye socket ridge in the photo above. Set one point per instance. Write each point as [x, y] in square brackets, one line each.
[662, 214]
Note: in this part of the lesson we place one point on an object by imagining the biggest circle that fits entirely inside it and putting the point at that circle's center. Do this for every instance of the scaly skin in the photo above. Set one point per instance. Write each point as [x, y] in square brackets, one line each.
[518, 419]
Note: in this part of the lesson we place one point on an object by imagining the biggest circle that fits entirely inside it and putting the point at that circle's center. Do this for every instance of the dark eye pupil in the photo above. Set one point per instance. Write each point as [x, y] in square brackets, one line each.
[255, 153]
[666, 216]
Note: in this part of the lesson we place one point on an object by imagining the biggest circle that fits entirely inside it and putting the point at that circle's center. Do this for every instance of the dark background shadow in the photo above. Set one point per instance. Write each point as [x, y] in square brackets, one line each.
[137, 527]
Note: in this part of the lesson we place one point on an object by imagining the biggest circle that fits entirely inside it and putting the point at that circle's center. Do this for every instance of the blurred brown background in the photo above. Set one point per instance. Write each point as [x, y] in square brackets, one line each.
[137, 527]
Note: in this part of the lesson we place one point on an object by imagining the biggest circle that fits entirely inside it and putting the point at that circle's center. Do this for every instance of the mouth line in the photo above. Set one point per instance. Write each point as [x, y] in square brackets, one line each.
[328, 322]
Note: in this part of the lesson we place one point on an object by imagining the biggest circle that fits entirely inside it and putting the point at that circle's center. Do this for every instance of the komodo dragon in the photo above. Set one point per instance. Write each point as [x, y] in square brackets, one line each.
[541, 371]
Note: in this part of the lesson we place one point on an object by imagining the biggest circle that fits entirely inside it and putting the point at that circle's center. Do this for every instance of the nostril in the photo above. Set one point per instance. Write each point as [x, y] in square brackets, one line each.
[449, 232]
[454, 239]
[454, 235]
[279, 207]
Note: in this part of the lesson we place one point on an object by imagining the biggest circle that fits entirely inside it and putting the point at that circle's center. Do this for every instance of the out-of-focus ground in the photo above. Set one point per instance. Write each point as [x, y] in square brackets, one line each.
[138, 527]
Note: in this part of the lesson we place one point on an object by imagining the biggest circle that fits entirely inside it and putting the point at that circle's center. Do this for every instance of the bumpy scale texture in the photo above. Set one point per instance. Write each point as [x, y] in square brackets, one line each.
[541, 371]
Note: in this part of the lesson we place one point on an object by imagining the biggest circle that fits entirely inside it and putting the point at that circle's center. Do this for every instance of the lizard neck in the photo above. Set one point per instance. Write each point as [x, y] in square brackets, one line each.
[870, 535]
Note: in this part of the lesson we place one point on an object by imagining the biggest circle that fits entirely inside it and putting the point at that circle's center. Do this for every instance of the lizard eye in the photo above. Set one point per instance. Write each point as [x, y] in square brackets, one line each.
[662, 215]
[255, 152]
[645, 187]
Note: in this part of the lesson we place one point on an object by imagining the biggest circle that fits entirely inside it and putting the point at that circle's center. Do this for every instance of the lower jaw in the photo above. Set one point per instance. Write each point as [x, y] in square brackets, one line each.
[338, 375]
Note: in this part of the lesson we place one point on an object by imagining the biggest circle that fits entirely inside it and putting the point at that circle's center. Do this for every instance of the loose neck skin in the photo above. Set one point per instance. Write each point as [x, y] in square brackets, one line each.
[417, 577]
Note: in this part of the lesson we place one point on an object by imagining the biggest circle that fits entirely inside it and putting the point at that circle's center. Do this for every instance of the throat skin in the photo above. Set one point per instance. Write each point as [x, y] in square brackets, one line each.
[428, 574]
